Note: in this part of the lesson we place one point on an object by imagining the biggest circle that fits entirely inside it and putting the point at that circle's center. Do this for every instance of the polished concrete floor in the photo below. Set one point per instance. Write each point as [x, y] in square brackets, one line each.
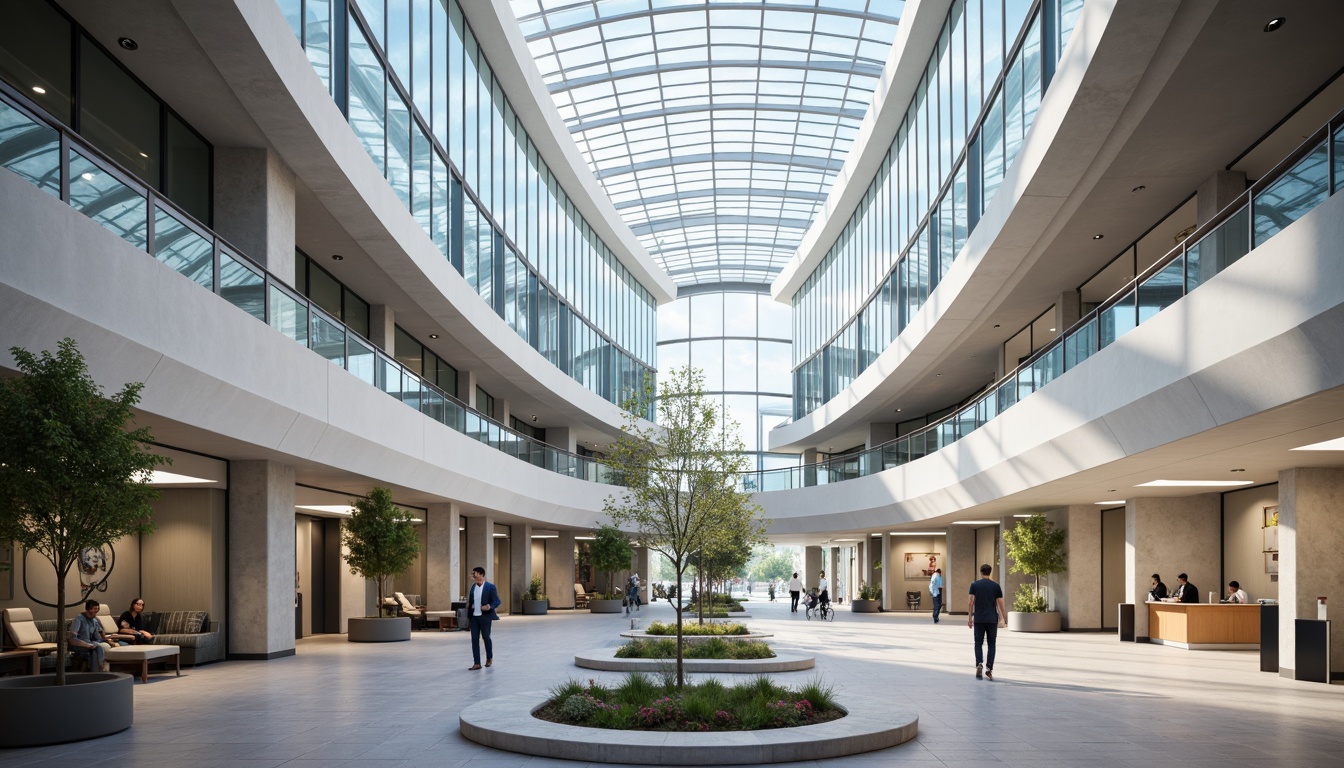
[1066, 699]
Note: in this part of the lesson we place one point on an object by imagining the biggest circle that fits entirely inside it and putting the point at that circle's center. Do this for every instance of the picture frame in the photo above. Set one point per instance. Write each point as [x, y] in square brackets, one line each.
[1271, 531]
[1272, 563]
[921, 565]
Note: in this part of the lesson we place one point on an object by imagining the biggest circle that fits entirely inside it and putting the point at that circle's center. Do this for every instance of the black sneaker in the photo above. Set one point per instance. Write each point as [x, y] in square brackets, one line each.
[989, 674]
[979, 672]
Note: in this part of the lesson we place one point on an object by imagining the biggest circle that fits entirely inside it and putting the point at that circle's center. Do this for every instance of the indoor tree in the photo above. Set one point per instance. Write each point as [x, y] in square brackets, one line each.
[380, 538]
[610, 551]
[681, 478]
[1036, 548]
[71, 475]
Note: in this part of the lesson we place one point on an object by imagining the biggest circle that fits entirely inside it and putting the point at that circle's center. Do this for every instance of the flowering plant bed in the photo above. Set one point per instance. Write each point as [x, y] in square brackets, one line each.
[659, 628]
[714, 648]
[644, 704]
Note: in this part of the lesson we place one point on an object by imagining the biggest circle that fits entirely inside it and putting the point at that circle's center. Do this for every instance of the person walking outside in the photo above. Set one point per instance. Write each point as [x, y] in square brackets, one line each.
[632, 593]
[986, 616]
[795, 591]
[482, 612]
[936, 592]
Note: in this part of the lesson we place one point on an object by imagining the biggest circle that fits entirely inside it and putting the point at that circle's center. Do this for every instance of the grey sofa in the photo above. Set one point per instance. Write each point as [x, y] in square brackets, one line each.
[200, 645]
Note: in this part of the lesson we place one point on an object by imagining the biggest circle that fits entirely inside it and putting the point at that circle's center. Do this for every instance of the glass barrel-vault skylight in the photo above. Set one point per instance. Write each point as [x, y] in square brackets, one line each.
[716, 127]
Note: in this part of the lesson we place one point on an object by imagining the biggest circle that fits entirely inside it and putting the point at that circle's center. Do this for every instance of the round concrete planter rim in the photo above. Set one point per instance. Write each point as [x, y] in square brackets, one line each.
[865, 606]
[1039, 621]
[536, 607]
[37, 711]
[507, 723]
[604, 659]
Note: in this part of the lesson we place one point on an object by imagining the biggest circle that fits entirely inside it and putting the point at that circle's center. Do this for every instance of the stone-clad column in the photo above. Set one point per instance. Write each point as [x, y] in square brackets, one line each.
[261, 560]
[442, 556]
[254, 207]
[481, 546]
[560, 570]
[1077, 591]
[520, 563]
[811, 567]
[639, 563]
[1310, 540]
[1171, 536]
[960, 568]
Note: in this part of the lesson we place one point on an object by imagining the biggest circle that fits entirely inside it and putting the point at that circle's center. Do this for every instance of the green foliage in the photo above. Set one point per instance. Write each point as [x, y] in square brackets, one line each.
[534, 589]
[1028, 600]
[680, 477]
[71, 475]
[774, 565]
[644, 704]
[820, 693]
[1036, 549]
[870, 592]
[697, 630]
[381, 539]
[714, 648]
[610, 552]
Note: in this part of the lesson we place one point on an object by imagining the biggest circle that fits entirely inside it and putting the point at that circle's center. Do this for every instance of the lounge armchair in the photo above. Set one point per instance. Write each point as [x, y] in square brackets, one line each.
[407, 608]
[580, 597]
[22, 632]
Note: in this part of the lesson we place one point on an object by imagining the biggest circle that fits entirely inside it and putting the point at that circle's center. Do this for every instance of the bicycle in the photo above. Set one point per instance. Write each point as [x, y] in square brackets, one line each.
[822, 611]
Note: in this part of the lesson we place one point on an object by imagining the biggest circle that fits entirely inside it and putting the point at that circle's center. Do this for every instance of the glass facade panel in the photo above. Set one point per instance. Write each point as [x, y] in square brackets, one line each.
[117, 114]
[103, 197]
[31, 150]
[1303, 187]
[289, 315]
[35, 55]
[242, 286]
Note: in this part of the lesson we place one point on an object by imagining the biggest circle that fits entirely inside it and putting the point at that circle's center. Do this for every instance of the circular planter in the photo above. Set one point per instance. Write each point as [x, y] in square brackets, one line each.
[507, 723]
[535, 607]
[865, 606]
[606, 606]
[689, 639]
[379, 630]
[1048, 621]
[89, 705]
[604, 659]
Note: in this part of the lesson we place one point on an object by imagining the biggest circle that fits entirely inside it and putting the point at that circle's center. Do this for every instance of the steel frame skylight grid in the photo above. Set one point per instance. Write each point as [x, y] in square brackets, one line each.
[716, 127]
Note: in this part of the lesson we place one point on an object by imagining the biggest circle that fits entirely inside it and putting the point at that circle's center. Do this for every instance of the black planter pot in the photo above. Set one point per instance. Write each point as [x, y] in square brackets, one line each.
[89, 705]
[535, 607]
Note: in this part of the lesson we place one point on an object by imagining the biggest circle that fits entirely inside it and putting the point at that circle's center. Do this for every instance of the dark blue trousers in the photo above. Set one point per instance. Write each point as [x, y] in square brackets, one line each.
[480, 629]
[986, 630]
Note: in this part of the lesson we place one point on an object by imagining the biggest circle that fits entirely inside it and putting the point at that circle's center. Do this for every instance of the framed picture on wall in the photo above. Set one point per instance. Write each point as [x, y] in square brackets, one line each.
[1271, 530]
[1272, 562]
[921, 565]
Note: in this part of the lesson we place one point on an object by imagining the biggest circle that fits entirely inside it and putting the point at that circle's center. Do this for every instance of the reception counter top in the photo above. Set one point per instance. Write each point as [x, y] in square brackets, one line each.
[1205, 626]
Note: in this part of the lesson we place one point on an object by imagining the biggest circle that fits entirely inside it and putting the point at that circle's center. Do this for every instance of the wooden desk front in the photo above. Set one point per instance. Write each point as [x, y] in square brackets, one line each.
[1205, 626]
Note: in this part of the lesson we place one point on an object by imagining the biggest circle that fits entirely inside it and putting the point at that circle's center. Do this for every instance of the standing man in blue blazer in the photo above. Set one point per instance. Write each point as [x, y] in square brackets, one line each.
[482, 612]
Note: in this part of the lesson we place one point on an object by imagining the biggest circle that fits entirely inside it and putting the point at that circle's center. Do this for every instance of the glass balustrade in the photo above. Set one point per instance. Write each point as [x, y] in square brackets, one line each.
[1301, 182]
[101, 190]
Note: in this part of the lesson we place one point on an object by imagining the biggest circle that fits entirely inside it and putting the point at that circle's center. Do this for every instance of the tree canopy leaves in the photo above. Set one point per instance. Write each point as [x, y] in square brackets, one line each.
[381, 540]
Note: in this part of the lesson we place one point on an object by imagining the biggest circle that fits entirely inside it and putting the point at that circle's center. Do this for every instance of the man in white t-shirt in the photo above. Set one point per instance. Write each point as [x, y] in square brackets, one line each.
[795, 592]
[823, 589]
[1235, 594]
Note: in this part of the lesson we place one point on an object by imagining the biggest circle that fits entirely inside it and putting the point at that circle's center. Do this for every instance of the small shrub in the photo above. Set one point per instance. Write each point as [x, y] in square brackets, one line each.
[697, 630]
[1028, 600]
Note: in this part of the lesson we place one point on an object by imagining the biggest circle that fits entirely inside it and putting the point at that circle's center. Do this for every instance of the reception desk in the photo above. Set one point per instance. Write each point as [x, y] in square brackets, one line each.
[1205, 626]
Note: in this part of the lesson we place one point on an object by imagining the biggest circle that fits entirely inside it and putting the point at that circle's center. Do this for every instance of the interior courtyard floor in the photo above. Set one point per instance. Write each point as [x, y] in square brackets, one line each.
[1077, 698]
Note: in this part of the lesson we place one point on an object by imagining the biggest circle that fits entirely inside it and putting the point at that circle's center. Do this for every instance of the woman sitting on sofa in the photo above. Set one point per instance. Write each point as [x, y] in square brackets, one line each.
[131, 623]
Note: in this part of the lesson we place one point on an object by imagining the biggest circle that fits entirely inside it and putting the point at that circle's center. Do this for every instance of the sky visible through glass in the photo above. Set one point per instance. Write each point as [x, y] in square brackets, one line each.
[716, 128]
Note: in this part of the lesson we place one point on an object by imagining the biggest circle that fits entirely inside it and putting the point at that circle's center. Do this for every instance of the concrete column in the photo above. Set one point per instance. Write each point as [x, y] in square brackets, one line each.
[639, 563]
[254, 207]
[520, 562]
[1220, 248]
[357, 595]
[809, 462]
[1077, 592]
[879, 433]
[504, 412]
[834, 573]
[383, 328]
[261, 560]
[1005, 576]
[812, 564]
[1310, 539]
[443, 577]
[960, 568]
[560, 570]
[1171, 536]
[1068, 310]
[888, 602]
[466, 388]
[563, 438]
[481, 545]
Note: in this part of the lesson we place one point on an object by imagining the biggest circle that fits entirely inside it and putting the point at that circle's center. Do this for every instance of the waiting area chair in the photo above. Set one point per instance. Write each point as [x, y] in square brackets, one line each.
[912, 599]
[580, 597]
[408, 608]
[21, 631]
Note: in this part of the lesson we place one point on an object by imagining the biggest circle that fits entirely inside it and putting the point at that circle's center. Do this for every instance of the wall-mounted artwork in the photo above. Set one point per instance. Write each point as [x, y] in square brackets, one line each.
[1271, 532]
[922, 564]
[1272, 562]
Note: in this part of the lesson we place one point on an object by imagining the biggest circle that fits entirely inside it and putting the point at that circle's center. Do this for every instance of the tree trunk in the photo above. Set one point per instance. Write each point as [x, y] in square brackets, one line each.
[62, 641]
[676, 604]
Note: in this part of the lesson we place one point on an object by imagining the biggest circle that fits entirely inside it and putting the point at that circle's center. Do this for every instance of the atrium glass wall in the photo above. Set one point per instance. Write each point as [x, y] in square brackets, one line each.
[50, 63]
[420, 94]
[961, 131]
[740, 341]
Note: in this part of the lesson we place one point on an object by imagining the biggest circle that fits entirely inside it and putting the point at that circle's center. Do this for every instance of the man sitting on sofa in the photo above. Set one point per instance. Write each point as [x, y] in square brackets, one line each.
[86, 636]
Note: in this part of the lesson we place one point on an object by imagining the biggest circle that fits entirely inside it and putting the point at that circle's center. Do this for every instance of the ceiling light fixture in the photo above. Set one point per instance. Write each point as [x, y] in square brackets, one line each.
[1028, 515]
[585, 538]
[344, 510]
[1192, 483]
[1329, 445]
[433, 335]
[1108, 503]
[545, 535]
[127, 43]
[1052, 330]
[917, 533]
[534, 418]
[1274, 24]
[337, 257]
[975, 522]
[1097, 237]
[39, 89]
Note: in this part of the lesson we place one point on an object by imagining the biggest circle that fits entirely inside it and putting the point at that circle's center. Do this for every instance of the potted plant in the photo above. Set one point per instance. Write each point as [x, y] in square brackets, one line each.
[535, 602]
[71, 478]
[382, 542]
[610, 551]
[869, 600]
[1037, 550]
